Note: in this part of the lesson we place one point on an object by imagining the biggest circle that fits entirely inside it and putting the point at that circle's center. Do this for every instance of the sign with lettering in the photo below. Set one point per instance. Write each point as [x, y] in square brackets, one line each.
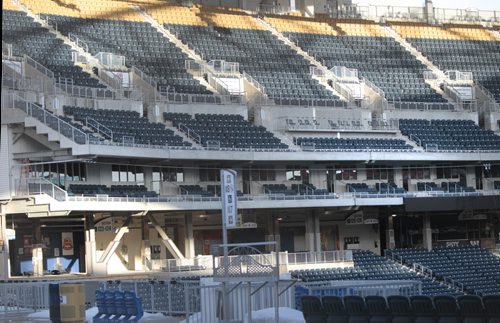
[67, 243]
[228, 194]
[456, 243]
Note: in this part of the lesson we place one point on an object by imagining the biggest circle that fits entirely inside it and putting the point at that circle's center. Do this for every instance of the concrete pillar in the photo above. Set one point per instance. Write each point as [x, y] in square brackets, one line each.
[37, 249]
[390, 242]
[429, 11]
[312, 235]
[317, 232]
[4, 248]
[90, 245]
[427, 232]
[145, 264]
[309, 234]
[189, 236]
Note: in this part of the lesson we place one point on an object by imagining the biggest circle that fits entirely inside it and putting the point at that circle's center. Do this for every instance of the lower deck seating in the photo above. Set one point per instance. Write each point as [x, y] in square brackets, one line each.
[399, 309]
[462, 135]
[368, 266]
[476, 268]
[195, 190]
[449, 187]
[353, 143]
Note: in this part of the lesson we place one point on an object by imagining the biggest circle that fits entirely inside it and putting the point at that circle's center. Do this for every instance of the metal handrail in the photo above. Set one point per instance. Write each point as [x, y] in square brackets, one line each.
[189, 132]
[78, 42]
[52, 121]
[6, 49]
[85, 91]
[39, 67]
[148, 79]
[255, 83]
[99, 127]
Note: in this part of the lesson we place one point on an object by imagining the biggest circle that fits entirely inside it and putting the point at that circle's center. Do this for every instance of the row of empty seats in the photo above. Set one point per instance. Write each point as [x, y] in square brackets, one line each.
[128, 126]
[141, 44]
[353, 143]
[113, 191]
[368, 266]
[380, 188]
[401, 309]
[296, 189]
[450, 187]
[476, 268]
[221, 36]
[449, 134]
[464, 48]
[224, 131]
[30, 38]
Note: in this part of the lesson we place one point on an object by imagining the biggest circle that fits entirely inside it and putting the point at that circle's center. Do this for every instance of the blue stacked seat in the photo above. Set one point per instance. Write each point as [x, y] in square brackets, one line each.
[354, 143]
[30, 38]
[117, 306]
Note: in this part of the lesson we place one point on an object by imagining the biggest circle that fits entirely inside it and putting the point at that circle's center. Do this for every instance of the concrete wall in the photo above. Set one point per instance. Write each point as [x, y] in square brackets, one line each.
[208, 108]
[273, 117]
[430, 114]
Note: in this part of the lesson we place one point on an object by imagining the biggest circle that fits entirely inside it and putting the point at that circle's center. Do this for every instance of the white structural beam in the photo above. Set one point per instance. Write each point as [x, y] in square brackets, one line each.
[113, 244]
[166, 240]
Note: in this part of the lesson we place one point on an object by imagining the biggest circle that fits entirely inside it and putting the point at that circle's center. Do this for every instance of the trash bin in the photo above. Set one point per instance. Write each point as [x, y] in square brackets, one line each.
[67, 303]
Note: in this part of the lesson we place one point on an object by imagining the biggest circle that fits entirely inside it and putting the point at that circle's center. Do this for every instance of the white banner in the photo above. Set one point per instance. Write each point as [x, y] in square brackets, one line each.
[67, 243]
[228, 194]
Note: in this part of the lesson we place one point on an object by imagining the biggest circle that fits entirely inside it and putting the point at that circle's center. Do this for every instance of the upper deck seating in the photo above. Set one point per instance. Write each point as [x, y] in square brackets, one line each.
[141, 44]
[129, 126]
[464, 48]
[363, 47]
[236, 37]
[449, 134]
[226, 131]
[30, 38]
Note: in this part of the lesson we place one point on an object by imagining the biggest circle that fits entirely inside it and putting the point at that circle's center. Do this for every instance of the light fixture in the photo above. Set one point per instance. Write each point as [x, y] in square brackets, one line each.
[394, 215]
[279, 219]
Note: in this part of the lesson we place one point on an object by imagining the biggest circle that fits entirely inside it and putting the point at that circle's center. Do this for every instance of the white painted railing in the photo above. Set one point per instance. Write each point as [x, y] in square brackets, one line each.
[6, 49]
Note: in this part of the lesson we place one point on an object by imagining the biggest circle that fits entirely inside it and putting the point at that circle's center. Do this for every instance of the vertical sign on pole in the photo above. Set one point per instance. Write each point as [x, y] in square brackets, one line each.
[229, 212]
